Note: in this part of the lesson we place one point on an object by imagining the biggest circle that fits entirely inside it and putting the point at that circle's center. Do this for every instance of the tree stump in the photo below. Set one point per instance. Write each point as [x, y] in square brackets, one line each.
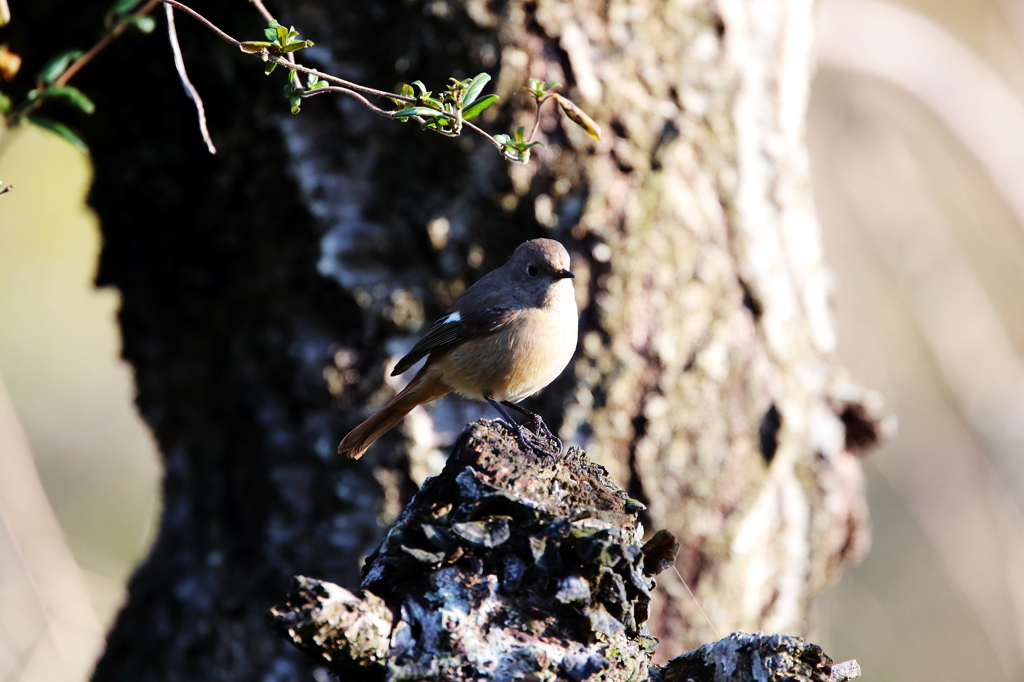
[508, 566]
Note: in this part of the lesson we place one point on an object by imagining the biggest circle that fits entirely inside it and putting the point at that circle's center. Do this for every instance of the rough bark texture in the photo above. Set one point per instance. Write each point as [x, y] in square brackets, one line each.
[265, 289]
[507, 567]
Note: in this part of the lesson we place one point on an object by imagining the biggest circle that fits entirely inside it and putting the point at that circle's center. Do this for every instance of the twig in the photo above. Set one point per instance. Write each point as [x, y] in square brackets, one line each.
[285, 63]
[352, 93]
[261, 8]
[269, 18]
[102, 44]
[347, 87]
[343, 86]
[6, 189]
[209, 24]
[536, 120]
[179, 64]
[484, 133]
[76, 66]
[334, 79]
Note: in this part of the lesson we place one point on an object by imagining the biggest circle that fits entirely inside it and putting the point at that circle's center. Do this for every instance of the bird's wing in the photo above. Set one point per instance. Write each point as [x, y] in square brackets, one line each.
[453, 329]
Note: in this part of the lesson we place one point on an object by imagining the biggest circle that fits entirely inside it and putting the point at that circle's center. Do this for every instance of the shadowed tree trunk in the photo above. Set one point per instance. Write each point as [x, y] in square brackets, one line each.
[265, 291]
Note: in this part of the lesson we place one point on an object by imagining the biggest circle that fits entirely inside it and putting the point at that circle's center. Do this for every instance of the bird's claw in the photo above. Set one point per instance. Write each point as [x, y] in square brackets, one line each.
[539, 442]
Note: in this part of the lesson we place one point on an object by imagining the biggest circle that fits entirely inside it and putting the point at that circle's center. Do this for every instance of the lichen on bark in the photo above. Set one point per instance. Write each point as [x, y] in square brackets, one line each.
[512, 567]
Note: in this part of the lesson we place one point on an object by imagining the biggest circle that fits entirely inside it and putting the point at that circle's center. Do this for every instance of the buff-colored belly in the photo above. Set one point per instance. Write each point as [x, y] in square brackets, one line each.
[514, 362]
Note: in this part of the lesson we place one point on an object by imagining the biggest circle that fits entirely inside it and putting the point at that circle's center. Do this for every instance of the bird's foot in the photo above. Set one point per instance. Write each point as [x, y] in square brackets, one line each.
[541, 432]
[545, 444]
[539, 442]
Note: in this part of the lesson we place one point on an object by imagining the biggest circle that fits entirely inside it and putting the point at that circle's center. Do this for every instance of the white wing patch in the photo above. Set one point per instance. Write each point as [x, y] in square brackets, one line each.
[454, 317]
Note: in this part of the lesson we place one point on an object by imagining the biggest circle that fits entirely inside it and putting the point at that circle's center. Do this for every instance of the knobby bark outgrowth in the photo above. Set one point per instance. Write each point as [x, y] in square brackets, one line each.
[509, 566]
[266, 290]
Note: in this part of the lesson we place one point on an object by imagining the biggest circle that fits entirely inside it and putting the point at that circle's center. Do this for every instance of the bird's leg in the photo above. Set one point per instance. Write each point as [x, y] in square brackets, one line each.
[520, 432]
[538, 422]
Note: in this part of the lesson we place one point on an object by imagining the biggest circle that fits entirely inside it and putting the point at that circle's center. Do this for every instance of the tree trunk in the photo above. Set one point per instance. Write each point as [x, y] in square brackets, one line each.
[265, 290]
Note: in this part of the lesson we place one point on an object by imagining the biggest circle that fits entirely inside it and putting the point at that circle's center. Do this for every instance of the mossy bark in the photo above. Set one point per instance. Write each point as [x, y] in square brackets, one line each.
[509, 566]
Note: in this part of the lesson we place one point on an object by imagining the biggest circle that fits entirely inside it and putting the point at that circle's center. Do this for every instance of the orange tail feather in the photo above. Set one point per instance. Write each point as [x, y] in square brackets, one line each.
[422, 389]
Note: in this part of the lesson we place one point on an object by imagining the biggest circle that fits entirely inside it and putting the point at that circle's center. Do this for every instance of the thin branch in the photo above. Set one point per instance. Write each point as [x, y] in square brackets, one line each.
[536, 120]
[76, 66]
[263, 10]
[485, 134]
[209, 24]
[285, 63]
[334, 79]
[102, 44]
[6, 189]
[179, 64]
[351, 93]
[490, 138]
[269, 18]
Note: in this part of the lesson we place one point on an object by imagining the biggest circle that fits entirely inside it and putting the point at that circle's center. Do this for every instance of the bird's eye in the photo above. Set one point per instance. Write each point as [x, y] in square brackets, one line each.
[532, 270]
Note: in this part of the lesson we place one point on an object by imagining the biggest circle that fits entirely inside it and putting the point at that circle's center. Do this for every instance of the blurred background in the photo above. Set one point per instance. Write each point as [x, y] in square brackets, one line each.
[916, 132]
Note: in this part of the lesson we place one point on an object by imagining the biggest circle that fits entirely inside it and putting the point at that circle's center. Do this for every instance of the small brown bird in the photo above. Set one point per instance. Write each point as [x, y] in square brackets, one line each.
[505, 338]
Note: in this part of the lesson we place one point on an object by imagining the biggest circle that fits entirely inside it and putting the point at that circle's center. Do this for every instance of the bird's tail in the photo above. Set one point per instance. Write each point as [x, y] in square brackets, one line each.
[423, 388]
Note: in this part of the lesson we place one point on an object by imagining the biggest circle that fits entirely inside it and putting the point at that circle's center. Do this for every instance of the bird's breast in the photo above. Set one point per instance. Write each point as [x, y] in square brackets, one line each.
[519, 359]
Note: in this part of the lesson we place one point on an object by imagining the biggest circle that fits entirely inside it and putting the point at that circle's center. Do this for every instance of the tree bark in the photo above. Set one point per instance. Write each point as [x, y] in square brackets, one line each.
[265, 290]
[505, 567]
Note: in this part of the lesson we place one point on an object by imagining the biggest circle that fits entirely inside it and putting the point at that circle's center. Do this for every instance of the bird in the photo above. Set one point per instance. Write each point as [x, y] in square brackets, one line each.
[506, 337]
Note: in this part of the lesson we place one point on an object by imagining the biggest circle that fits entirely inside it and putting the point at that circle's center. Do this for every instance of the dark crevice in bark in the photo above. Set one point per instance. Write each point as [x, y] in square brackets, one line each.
[669, 134]
[719, 25]
[751, 303]
[863, 431]
[636, 482]
[768, 433]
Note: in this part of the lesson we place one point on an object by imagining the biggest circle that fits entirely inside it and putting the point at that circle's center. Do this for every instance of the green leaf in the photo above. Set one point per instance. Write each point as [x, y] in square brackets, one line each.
[475, 87]
[520, 134]
[474, 109]
[311, 79]
[418, 111]
[273, 24]
[269, 68]
[407, 91]
[502, 139]
[295, 47]
[270, 33]
[296, 103]
[144, 24]
[58, 65]
[60, 129]
[253, 46]
[319, 84]
[421, 86]
[551, 84]
[122, 7]
[68, 94]
[282, 35]
[292, 35]
[5, 103]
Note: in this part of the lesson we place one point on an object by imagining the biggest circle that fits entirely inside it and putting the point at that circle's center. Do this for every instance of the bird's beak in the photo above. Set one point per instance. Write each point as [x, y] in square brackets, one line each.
[564, 274]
